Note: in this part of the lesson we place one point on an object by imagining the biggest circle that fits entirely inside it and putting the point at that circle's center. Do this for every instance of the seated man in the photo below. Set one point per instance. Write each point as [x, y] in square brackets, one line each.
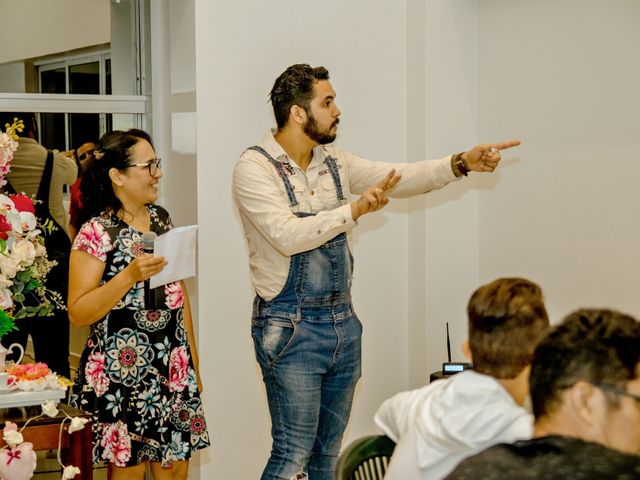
[585, 390]
[437, 426]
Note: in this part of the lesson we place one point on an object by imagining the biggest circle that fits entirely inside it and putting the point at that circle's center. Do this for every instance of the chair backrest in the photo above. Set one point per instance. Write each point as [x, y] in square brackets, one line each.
[365, 459]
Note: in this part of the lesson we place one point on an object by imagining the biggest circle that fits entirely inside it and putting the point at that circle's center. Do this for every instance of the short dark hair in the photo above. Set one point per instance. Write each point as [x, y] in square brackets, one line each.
[507, 318]
[113, 151]
[592, 345]
[294, 86]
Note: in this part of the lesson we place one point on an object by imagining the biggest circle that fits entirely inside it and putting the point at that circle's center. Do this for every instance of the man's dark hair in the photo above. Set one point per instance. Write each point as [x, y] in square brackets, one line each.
[294, 86]
[592, 345]
[507, 318]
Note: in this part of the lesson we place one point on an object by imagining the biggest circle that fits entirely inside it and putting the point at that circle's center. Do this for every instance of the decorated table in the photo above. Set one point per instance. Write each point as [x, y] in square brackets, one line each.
[43, 432]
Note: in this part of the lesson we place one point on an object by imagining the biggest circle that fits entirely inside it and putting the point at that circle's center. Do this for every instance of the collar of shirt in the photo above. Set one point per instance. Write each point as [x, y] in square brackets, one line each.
[274, 149]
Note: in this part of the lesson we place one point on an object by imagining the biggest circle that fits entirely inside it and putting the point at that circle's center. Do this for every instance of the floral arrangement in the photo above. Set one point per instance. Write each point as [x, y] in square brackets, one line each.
[23, 257]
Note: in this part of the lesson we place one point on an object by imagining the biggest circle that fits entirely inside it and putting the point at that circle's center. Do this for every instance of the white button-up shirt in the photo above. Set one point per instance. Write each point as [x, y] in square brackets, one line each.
[274, 233]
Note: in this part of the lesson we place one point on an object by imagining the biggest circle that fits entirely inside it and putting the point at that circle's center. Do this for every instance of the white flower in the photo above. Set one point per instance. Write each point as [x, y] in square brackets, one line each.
[12, 437]
[5, 282]
[9, 266]
[77, 424]
[40, 249]
[49, 409]
[6, 204]
[24, 252]
[28, 221]
[70, 472]
[5, 299]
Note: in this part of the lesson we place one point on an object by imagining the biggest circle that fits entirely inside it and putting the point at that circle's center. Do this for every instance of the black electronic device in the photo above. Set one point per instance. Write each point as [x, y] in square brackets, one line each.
[449, 368]
[149, 293]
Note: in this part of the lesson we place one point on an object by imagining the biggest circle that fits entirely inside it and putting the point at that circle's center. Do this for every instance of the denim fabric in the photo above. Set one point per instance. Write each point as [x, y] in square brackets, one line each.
[307, 342]
[310, 362]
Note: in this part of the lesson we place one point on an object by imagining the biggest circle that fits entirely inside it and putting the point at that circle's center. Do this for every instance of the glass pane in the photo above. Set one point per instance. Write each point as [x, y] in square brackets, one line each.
[53, 81]
[52, 131]
[84, 78]
[83, 127]
[117, 31]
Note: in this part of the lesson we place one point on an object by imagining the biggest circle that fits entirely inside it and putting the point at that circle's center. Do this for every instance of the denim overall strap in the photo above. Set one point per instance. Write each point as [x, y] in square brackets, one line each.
[333, 170]
[293, 201]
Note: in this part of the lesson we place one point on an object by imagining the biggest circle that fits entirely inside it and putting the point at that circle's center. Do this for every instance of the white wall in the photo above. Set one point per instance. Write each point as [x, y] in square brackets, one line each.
[12, 77]
[426, 79]
[240, 48]
[563, 76]
[451, 215]
[33, 28]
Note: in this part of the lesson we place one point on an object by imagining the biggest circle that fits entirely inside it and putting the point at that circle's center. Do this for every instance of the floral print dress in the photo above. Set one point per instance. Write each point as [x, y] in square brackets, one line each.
[135, 374]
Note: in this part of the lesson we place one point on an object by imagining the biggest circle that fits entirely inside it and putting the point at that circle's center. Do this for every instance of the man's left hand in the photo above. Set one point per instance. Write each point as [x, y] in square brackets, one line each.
[485, 157]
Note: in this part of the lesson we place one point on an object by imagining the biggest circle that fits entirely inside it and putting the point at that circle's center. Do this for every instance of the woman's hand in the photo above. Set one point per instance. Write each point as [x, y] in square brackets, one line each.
[145, 266]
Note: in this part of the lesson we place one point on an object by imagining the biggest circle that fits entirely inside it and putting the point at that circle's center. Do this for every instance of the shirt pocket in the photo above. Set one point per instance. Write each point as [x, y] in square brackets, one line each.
[329, 191]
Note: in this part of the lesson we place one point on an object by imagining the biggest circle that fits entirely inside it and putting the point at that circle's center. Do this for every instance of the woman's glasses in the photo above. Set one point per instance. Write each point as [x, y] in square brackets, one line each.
[85, 156]
[153, 166]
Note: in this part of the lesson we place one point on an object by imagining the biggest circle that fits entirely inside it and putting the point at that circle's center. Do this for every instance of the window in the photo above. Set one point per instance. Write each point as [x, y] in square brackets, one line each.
[79, 75]
[82, 91]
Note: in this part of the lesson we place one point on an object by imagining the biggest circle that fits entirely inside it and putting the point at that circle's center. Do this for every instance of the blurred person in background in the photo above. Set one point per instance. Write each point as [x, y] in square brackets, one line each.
[83, 153]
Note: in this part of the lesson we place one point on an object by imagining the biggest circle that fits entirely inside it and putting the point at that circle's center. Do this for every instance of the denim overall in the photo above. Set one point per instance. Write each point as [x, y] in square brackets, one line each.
[307, 342]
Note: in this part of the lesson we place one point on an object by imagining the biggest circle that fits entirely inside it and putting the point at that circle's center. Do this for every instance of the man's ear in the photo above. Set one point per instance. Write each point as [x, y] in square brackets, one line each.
[583, 400]
[466, 350]
[297, 114]
[114, 175]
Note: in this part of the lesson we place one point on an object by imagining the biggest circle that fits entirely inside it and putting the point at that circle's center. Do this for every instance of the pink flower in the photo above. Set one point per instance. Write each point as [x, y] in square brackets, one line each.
[116, 443]
[29, 371]
[94, 372]
[93, 239]
[178, 369]
[23, 203]
[175, 297]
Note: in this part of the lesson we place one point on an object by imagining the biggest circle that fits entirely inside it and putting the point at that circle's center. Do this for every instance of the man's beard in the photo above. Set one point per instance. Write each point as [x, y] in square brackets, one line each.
[314, 133]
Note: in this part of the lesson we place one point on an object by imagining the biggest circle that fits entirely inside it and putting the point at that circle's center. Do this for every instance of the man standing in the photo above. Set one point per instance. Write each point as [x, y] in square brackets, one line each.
[585, 393]
[292, 192]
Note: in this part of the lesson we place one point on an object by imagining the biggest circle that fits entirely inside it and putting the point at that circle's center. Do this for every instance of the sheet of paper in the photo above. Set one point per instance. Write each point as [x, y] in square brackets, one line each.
[178, 247]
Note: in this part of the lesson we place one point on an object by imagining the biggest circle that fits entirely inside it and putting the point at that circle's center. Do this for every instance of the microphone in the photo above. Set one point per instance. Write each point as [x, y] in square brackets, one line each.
[149, 293]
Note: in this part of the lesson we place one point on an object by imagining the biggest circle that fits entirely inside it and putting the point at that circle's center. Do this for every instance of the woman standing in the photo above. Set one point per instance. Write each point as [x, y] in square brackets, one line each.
[138, 373]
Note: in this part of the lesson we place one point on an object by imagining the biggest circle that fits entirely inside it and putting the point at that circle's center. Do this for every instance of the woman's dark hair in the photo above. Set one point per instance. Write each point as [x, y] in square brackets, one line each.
[113, 151]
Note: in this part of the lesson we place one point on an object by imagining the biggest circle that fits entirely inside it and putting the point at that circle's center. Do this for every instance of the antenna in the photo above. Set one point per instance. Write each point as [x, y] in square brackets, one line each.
[448, 345]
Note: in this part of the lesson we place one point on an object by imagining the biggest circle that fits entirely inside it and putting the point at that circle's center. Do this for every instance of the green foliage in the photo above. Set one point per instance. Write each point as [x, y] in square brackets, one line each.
[48, 226]
[6, 323]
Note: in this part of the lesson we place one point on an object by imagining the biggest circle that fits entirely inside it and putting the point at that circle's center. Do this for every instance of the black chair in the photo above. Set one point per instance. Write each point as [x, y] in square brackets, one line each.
[365, 459]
